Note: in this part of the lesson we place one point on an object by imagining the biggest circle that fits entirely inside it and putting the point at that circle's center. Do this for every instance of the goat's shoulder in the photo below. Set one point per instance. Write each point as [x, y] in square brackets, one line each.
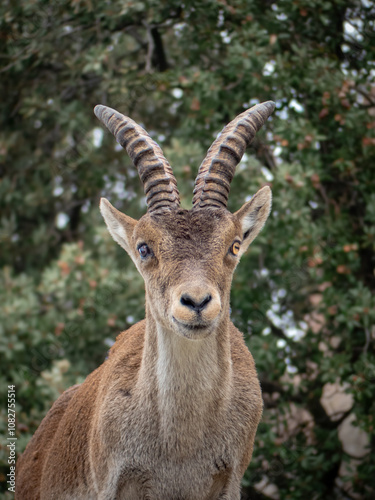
[125, 356]
[246, 380]
[30, 464]
[129, 342]
[241, 356]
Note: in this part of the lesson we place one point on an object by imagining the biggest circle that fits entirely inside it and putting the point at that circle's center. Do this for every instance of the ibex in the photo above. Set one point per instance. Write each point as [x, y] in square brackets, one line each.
[172, 413]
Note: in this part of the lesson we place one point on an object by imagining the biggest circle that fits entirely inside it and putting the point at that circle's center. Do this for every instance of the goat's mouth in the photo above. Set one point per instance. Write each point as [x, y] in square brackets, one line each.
[194, 330]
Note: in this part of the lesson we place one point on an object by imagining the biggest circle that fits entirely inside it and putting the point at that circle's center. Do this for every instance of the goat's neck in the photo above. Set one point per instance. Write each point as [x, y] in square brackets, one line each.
[189, 380]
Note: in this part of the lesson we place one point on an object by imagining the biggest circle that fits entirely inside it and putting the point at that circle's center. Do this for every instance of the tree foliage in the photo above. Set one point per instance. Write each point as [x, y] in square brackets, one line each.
[304, 294]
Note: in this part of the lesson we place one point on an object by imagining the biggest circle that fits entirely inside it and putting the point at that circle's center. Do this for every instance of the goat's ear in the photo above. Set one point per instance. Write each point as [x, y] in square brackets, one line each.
[119, 225]
[253, 215]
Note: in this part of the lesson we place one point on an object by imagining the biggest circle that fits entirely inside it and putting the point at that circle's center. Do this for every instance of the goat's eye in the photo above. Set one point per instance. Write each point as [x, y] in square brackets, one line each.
[144, 251]
[235, 248]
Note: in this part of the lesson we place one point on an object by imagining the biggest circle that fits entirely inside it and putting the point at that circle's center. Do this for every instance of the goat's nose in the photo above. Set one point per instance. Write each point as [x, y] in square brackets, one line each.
[197, 306]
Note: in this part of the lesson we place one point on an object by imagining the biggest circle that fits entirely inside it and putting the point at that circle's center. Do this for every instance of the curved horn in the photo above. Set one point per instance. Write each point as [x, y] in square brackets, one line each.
[216, 172]
[156, 174]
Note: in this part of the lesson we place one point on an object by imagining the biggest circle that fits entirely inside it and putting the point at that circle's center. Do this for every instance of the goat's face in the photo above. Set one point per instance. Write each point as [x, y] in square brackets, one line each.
[187, 266]
[187, 259]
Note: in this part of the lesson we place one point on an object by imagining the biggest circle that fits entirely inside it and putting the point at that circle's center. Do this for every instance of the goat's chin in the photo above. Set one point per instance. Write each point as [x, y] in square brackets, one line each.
[193, 331]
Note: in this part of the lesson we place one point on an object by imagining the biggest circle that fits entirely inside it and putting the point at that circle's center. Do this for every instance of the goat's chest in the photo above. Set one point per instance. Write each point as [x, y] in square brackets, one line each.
[200, 477]
[174, 466]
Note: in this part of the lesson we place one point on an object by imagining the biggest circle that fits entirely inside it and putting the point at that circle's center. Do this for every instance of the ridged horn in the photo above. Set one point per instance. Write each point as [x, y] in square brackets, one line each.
[156, 174]
[216, 172]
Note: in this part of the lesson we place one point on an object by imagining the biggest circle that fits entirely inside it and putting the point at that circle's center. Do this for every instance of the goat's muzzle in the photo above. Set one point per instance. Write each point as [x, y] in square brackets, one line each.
[195, 309]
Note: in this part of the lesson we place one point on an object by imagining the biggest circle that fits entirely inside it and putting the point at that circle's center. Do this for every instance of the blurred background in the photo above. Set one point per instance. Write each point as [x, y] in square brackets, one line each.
[304, 293]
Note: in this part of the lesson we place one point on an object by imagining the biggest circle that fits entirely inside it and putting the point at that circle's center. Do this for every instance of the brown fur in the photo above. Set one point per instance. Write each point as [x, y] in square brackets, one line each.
[172, 413]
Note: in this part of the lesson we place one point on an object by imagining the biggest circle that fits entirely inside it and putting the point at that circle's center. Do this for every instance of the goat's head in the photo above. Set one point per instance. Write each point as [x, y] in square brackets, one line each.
[187, 257]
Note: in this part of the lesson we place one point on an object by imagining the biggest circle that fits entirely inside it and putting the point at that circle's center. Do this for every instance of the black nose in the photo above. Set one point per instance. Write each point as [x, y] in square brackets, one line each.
[189, 302]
